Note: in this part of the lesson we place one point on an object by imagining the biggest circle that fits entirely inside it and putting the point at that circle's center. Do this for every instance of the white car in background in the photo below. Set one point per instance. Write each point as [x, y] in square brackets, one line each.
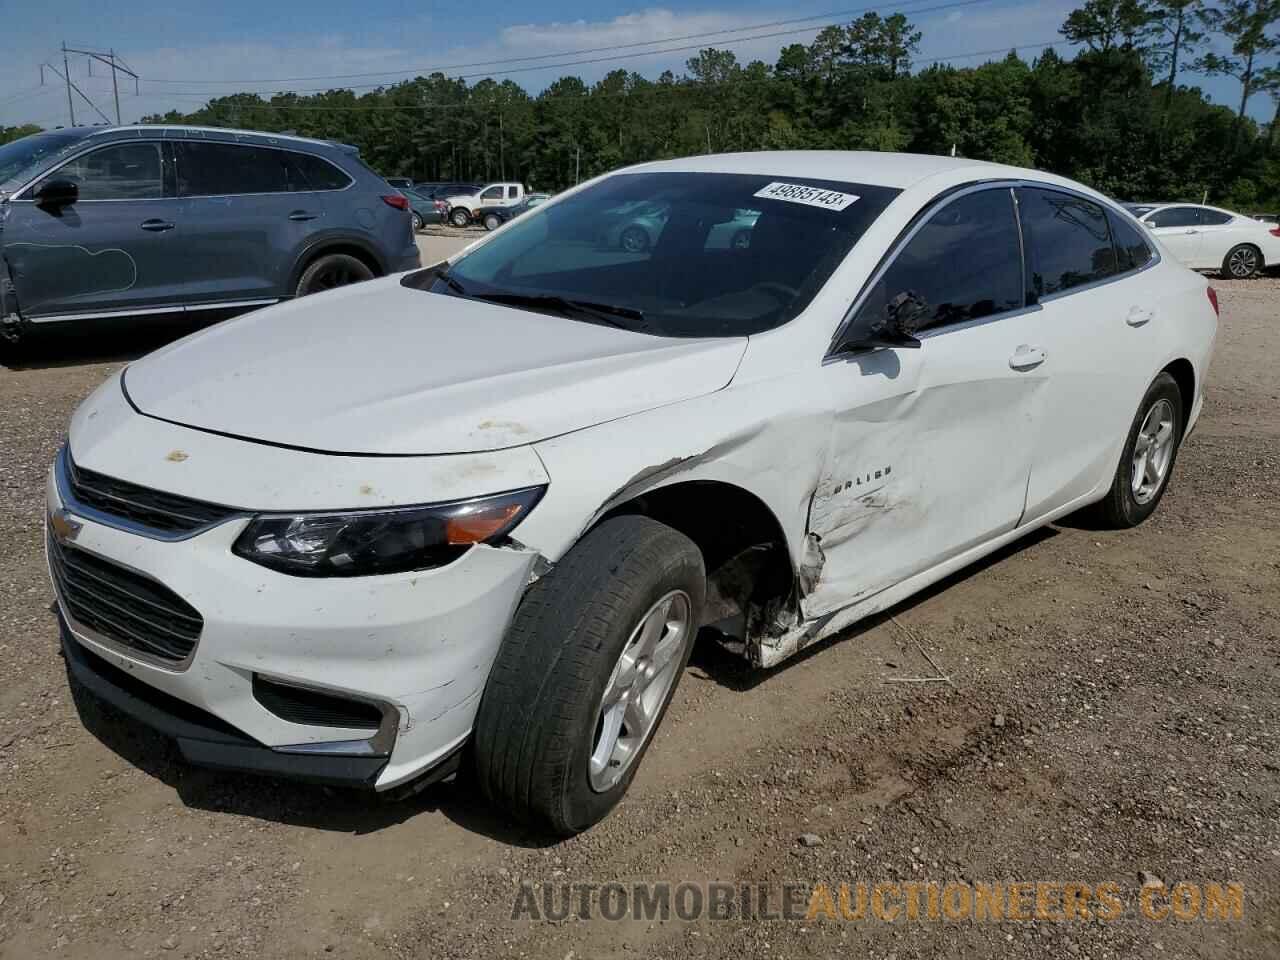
[497, 509]
[1209, 238]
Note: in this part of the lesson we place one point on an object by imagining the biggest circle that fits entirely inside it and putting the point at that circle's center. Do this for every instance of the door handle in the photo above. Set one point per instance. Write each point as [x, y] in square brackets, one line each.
[1193, 231]
[300, 215]
[156, 226]
[1027, 357]
[1138, 316]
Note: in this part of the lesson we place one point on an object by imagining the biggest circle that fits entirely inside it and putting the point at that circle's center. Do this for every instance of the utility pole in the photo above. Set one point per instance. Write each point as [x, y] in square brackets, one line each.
[109, 58]
[71, 85]
[66, 75]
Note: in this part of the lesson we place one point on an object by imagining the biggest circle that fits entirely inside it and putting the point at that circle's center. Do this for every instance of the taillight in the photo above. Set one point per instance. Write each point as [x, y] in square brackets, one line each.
[1213, 300]
[399, 201]
[1275, 231]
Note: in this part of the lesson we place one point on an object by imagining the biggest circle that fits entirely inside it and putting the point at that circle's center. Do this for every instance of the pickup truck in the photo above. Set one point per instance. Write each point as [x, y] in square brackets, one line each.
[462, 209]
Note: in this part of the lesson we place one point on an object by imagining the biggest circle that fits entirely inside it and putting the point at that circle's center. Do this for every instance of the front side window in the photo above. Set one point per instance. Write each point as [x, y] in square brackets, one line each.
[963, 264]
[1175, 217]
[1213, 218]
[493, 193]
[1068, 241]
[226, 169]
[23, 157]
[124, 171]
[1132, 249]
[673, 254]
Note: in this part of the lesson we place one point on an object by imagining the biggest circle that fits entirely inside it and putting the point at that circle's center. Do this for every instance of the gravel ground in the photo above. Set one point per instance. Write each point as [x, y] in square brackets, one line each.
[1113, 712]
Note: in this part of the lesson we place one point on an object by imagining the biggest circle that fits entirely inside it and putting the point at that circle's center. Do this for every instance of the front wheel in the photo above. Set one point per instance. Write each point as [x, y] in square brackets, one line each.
[460, 216]
[1149, 454]
[586, 673]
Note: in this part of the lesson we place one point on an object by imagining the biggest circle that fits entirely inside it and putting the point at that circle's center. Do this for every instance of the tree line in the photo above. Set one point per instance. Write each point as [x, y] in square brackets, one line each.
[1118, 115]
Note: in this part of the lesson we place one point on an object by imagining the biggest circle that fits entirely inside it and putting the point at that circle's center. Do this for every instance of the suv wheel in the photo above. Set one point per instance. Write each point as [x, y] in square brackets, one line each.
[460, 216]
[586, 672]
[331, 271]
[1149, 453]
[492, 222]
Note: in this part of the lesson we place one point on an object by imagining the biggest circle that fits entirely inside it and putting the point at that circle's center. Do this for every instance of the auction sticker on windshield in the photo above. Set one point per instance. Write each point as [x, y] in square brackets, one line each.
[809, 196]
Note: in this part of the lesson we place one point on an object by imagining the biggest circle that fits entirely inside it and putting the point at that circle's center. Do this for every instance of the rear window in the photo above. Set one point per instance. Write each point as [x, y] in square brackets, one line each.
[1214, 218]
[696, 254]
[1068, 241]
[315, 173]
[227, 169]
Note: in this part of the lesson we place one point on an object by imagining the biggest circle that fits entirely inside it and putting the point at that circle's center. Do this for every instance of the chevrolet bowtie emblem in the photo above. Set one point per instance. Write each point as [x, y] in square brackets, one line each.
[64, 526]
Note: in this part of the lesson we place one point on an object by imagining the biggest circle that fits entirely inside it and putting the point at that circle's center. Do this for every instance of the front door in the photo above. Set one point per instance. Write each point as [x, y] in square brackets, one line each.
[108, 251]
[930, 448]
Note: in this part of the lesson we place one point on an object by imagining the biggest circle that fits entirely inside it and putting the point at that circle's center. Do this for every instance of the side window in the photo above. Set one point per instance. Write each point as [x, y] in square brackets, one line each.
[511, 193]
[227, 169]
[1175, 217]
[1132, 249]
[1068, 243]
[1213, 218]
[493, 193]
[964, 263]
[312, 173]
[125, 171]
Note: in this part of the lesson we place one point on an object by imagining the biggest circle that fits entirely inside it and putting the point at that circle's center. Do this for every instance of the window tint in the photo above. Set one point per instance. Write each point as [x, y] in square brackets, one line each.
[313, 173]
[126, 171]
[493, 193]
[222, 169]
[1176, 217]
[1132, 249]
[1213, 218]
[1068, 243]
[511, 193]
[964, 263]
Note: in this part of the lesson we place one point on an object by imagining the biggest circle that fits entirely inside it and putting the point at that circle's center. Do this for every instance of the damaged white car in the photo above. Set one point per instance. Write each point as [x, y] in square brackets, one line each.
[489, 504]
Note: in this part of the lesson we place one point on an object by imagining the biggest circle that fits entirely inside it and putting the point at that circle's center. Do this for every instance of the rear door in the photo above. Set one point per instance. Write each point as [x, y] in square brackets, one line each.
[1219, 232]
[244, 211]
[1179, 230]
[111, 251]
[1100, 322]
[931, 448]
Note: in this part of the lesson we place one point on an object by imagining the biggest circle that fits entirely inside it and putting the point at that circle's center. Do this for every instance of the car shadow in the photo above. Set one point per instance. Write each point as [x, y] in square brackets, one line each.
[68, 345]
[734, 672]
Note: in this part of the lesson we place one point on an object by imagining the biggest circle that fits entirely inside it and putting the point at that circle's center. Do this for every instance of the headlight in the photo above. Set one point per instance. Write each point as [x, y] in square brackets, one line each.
[358, 543]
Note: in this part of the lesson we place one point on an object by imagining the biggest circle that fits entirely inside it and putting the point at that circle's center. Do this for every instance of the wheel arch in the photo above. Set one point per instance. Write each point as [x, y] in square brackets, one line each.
[351, 246]
[1184, 375]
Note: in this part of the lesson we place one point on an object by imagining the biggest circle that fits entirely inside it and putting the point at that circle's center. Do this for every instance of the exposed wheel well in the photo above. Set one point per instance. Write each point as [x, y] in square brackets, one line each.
[323, 250]
[1184, 375]
[744, 550]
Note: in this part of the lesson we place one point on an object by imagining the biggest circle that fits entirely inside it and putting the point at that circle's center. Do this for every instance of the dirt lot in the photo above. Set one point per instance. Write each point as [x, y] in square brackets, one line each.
[1115, 709]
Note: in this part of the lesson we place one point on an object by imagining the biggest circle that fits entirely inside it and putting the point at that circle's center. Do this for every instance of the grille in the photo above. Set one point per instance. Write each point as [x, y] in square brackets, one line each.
[124, 606]
[151, 508]
[313, 707]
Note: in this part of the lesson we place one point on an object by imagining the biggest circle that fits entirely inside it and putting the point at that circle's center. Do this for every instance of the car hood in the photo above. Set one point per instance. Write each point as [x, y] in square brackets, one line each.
[379, 368]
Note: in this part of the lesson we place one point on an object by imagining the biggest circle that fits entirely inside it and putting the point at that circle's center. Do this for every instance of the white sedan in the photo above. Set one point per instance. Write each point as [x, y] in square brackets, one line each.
[1209, 238]
[492, 503]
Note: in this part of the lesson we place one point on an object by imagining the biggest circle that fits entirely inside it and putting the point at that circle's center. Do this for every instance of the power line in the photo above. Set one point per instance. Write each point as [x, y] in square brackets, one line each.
[441, 68]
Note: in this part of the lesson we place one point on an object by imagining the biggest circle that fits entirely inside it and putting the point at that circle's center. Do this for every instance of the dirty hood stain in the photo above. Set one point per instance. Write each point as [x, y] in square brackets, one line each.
[378, 368]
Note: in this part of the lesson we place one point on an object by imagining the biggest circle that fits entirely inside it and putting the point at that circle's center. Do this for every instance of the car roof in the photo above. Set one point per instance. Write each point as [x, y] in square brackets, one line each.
[900, 170]
[178, 131]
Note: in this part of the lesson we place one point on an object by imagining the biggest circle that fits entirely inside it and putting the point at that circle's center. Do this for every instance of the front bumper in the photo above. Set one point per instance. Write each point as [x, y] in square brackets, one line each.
[419, 645]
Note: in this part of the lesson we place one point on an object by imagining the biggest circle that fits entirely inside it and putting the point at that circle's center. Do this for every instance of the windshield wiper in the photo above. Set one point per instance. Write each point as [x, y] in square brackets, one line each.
[452, 284]
[601, 312]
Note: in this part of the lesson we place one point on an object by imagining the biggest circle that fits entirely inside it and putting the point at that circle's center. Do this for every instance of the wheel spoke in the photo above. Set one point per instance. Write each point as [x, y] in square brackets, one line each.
[635, 717]
[652, 629]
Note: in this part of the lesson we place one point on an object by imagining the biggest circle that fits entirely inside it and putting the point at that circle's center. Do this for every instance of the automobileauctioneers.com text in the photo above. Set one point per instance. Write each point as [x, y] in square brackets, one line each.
[883, 902]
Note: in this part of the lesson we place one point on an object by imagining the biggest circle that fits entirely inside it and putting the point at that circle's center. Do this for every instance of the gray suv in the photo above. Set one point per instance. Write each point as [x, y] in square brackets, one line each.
[120, 222]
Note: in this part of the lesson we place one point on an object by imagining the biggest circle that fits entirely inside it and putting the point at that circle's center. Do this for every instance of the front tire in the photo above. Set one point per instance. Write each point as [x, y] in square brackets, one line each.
[331, 271]
[1242, 261]
[586, 673]
[1146, 463]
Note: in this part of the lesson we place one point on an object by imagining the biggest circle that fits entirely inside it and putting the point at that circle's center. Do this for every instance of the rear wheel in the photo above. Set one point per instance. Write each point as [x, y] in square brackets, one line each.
[586, 672]
[492, 221]
[418, 222]
[1149, 454]
[1242, 261]
[331, 271]
[634, 240]
[460, 216]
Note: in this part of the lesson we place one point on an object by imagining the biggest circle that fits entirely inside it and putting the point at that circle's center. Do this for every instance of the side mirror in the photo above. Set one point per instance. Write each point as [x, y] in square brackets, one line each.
[57, 193]
[903, 316]
[1148, 224]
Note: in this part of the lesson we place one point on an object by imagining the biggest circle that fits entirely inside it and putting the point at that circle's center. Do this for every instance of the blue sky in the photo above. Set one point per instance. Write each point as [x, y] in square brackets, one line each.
[204, 48]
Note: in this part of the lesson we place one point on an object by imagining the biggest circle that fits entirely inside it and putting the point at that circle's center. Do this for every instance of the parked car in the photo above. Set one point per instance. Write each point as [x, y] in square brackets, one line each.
[400, 183]
[1209, 238]
[483, 509]
[491, 218]
[121, 222]
[426, 210]
[462, 207]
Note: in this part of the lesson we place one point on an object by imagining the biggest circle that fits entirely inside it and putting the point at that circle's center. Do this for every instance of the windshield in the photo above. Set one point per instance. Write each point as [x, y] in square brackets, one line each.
[673, 254]
[25, 155]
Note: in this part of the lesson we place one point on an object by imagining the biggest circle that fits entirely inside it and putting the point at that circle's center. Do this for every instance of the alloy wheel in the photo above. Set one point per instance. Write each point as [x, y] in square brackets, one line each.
[1153, 452]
